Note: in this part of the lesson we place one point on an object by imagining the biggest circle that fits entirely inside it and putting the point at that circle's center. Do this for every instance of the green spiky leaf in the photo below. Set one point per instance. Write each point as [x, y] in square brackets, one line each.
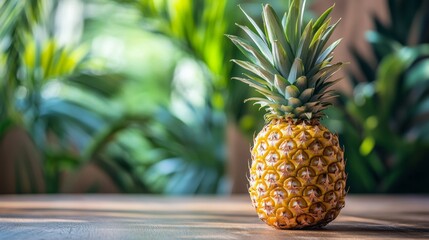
[289, 62]
[322, 19]
[296, 71]
[260, 43]
[291, 91]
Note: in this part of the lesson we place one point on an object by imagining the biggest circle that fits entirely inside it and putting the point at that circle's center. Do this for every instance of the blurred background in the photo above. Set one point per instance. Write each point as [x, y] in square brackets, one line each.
[136, 96]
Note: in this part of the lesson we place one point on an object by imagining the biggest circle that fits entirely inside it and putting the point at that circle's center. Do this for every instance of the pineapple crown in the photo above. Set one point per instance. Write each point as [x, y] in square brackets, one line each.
[289, 64]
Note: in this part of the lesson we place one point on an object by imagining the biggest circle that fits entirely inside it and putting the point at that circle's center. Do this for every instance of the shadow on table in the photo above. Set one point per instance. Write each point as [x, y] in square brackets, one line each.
[393, 227]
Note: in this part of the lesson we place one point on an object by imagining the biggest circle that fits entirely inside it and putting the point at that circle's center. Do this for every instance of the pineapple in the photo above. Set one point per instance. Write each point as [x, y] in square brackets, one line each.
[297, 174]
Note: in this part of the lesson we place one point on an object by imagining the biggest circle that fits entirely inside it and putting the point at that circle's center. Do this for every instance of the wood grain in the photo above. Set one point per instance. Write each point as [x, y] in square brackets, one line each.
[155, 217]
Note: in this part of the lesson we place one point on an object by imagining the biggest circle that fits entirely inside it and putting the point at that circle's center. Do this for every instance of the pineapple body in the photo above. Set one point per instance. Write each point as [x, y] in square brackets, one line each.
[297, 175]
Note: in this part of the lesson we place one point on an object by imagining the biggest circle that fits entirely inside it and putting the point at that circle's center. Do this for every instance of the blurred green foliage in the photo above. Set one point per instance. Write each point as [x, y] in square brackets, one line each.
[60, 97]
[141, 90]
[384, 124]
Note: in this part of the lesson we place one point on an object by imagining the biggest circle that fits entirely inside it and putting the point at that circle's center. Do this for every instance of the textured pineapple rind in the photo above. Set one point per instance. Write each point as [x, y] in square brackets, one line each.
[297, 175]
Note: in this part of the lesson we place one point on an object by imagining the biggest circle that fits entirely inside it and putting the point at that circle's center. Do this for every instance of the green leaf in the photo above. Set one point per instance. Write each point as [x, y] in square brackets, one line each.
[304, 43]
[324, 96]
[106, 85]
[301, 111]
[301, 83]
[281, 59]
[286, 109]
[296, 71]
[382, 44]
[260, 43]
[267, 76]
[262, 101]
[252, 54]
[292, 23]
[324, 73]
[322, 19]
[294, 102]
[66, 114]
[10, 12]
[258, 79]
[328, 51]
[261, 88]
[388, 76]
[284, 22]
[418, 75]
[273, 28]
[312, 105]
[300, 16]
[326, 84]
[280, 83]
[291, 91]
[326, 35]
[306, 95]
[318, 35]
[260, 32]
[277, 99]
[319, 41]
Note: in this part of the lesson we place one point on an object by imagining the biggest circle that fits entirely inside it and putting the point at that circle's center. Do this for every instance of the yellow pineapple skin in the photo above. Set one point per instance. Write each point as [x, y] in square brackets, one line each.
[297, 175]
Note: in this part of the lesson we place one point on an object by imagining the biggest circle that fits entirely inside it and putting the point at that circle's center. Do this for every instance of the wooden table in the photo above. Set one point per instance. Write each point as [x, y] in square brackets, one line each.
[155, 217]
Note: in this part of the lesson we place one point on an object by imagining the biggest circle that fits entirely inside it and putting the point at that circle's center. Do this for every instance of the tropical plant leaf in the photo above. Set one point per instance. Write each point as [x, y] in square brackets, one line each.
[296, 71]
[105, 84]
[260, 43]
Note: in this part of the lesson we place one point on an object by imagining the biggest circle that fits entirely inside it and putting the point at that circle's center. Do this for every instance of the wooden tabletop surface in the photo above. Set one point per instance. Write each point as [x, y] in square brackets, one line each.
[208, 217]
